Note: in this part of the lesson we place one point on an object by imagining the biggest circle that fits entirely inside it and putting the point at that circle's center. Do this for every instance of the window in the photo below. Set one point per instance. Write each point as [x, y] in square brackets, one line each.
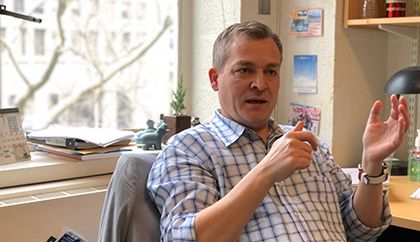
[39, 42]
[23, 41]
[102, 68]
[18, 5]
[39, 9]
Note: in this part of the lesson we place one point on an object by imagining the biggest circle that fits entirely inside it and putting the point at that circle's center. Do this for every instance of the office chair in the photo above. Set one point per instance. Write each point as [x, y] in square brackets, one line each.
[128, 213]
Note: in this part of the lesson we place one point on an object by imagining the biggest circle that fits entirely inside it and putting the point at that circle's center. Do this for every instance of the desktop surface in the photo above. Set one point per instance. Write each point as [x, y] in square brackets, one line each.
[405, 211]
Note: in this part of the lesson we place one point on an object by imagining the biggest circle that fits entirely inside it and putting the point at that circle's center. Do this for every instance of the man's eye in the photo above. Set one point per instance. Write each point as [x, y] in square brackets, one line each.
[272, 72]
[244, 70]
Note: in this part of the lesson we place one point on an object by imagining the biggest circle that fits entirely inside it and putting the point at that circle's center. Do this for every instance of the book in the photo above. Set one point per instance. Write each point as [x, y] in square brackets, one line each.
[86, 154]
[80, 137]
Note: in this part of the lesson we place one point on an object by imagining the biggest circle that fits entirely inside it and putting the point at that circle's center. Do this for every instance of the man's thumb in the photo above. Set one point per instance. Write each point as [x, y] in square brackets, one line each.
[298, 127]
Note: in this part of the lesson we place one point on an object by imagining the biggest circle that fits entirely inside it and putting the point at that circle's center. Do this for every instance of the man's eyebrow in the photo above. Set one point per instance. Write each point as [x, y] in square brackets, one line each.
[273, 65]
[244, 63]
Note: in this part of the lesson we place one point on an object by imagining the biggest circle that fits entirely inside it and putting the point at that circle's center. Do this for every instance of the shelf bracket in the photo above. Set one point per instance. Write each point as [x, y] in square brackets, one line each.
[407, 32]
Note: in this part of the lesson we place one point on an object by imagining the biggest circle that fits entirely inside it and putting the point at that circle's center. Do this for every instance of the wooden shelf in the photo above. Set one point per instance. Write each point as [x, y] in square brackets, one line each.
[352, 18]
[374, 22]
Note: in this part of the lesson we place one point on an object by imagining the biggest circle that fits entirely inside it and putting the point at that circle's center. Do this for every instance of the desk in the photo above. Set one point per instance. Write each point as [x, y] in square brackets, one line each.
[405, 211]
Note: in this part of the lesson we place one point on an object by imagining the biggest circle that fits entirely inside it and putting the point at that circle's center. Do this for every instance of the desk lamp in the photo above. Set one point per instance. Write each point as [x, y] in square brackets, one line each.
[404, 81]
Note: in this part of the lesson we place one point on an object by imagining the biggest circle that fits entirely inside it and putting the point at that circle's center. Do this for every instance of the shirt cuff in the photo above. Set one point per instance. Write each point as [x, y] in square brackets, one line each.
[183, 229]
[356, 230]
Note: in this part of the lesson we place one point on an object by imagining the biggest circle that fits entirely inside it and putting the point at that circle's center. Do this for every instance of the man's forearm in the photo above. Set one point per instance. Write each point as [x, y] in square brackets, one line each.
[368, 204]
[224, 220]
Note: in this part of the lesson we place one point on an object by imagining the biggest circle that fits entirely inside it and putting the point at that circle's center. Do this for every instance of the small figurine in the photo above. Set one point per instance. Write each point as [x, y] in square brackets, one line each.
[150, 128]
[153, 139]
[195, 121]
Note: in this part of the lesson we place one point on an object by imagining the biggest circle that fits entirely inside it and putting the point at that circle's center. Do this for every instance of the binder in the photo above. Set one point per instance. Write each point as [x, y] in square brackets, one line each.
[80, 137]
[73, 143]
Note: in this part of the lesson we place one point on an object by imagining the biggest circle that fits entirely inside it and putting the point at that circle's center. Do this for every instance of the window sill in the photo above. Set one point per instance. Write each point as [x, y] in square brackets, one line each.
[45, 168]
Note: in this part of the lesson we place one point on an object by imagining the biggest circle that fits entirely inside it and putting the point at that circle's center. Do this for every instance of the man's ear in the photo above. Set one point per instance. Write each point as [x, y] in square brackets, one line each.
[213, 76]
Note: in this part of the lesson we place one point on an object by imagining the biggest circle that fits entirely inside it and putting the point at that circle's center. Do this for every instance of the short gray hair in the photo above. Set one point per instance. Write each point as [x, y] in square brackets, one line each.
[251, 29]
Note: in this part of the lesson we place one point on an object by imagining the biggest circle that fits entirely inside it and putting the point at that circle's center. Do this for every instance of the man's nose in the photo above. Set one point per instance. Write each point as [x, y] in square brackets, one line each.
[259, 82]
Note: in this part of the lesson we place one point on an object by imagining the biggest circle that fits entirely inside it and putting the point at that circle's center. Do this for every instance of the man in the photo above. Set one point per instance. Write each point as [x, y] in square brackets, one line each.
[242, 177]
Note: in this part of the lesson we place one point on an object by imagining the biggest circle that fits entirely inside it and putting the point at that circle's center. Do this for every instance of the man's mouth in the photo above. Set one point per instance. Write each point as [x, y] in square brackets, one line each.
[256, 101]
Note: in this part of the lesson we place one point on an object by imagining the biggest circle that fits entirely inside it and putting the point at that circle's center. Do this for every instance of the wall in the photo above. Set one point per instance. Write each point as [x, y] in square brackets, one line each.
[37, 221]
[323, 47]
[202, 22]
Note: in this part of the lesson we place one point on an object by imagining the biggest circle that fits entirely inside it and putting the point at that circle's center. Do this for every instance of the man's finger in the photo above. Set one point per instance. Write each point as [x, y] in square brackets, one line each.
[375, 112]
[298, 127]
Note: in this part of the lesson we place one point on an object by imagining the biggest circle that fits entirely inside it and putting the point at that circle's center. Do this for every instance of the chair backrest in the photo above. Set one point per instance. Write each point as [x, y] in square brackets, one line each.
[128, 213]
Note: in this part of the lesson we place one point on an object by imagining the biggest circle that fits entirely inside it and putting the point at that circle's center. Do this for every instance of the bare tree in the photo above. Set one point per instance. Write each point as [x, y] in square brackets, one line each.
[104, 71]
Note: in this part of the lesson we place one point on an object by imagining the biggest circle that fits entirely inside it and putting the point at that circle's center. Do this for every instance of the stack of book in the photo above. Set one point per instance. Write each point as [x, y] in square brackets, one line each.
[81, 143]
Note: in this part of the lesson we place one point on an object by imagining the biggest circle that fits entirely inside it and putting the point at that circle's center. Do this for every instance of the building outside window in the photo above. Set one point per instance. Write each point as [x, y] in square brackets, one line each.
[103, 64]
[39, 44]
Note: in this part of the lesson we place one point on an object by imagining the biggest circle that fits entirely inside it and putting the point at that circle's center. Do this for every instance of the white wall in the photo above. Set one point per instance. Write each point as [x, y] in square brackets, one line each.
[203, 21]
[37, 221]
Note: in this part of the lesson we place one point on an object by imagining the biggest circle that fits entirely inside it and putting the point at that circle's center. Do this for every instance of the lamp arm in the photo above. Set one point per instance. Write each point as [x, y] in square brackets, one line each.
[18, 15]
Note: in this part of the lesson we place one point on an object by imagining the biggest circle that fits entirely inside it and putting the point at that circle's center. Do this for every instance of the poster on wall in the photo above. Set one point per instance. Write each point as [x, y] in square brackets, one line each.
[305, 73]
[306, 22]
[310, 116]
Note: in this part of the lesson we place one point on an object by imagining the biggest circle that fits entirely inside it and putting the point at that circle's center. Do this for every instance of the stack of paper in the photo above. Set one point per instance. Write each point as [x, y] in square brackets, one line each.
[80, 137]
[81, 143]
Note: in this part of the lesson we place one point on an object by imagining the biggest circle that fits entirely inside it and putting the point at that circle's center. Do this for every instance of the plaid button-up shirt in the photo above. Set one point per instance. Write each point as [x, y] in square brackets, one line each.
[202, 164]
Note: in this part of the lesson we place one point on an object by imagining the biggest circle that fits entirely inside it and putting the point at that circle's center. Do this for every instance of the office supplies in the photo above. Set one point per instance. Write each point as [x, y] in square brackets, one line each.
[13, 144]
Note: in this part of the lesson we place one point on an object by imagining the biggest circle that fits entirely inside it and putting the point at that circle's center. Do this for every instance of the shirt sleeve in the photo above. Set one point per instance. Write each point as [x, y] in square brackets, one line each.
[355, 229]
[181, 186]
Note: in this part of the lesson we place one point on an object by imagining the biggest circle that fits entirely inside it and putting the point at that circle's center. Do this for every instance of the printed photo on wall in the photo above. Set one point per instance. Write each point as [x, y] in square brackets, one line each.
[305, 73]
[306, 22]
[309, 115]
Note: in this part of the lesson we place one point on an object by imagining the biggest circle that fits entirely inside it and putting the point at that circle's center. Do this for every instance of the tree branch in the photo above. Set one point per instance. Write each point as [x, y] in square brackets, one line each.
[52, 64]
[64, 104]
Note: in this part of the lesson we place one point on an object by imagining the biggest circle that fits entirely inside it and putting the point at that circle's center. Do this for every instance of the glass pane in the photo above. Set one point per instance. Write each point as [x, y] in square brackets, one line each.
[109, 63]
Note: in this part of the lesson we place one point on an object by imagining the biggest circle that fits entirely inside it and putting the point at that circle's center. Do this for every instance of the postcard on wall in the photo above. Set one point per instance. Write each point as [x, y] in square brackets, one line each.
[305, 73]
[306, 22]
[309, 115]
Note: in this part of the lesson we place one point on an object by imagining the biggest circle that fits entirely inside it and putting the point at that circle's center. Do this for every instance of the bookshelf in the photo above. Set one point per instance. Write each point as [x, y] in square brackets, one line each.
[352, 18]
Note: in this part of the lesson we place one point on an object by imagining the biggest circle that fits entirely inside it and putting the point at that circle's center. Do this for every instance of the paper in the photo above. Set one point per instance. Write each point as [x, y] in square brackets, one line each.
[310, 116]
[354, 174]
[13, 145]
[99, 136]
[306, 22]
[415, 194]
[305, 73]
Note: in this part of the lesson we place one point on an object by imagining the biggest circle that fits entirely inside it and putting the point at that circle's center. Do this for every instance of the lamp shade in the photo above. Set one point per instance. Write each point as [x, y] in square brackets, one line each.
[406, 80]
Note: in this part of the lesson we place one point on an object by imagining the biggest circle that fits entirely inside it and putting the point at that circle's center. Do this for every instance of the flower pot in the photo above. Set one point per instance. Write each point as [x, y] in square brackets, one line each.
[175, 125]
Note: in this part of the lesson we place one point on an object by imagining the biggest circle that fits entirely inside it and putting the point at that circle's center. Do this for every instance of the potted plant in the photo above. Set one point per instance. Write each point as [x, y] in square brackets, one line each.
[178, 121]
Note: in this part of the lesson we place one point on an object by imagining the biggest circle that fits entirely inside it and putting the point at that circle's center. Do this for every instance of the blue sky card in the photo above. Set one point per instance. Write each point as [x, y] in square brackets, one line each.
[305, 71]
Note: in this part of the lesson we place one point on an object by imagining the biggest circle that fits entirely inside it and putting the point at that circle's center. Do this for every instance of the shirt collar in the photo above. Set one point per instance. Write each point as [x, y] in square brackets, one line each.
[229, 131]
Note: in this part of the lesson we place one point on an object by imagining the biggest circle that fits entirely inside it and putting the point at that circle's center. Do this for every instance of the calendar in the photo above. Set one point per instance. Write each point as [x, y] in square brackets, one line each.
[13, 144]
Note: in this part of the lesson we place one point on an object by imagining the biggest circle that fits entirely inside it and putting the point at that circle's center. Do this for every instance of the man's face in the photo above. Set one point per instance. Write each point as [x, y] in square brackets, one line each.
[249, 81]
